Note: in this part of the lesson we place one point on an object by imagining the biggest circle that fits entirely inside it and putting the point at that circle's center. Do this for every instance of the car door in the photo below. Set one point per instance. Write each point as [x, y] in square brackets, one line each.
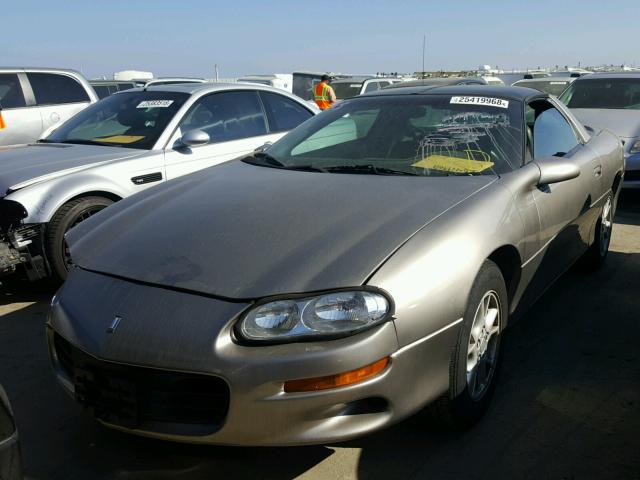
[235, 122]
[565, 208]
[58, 97]
[371, 86]
[23, 123]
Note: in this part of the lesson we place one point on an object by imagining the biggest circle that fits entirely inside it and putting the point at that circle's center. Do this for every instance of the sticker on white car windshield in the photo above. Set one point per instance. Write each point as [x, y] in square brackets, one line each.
[557, 83]
[155, 104]
[486, 101]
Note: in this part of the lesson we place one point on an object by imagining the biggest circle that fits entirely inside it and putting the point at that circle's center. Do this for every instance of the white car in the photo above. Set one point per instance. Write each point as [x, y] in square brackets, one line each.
[34, 100]
[124, 144]
[350, 87]
[283, 81]
[493, 80]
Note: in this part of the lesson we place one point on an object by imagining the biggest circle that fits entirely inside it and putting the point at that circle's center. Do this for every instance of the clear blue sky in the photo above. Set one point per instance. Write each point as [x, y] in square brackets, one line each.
[187, 37]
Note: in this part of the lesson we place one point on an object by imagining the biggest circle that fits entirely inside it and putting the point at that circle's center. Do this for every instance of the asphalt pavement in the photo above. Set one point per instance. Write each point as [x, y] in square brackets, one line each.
[567, 405]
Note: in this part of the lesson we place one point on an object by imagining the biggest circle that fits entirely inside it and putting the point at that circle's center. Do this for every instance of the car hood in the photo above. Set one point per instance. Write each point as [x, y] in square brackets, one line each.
[241, 231]
[624, 123]
[23, 165]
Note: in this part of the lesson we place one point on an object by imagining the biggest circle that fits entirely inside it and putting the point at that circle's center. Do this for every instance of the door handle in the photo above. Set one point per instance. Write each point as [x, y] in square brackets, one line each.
[597, 171]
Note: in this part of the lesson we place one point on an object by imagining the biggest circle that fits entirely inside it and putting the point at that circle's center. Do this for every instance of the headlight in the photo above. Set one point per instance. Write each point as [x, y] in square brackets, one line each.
[331, 315]
[635, 148]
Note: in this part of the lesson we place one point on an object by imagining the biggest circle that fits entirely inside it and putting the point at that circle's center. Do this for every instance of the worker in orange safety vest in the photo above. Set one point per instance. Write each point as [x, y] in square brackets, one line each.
[324, 94]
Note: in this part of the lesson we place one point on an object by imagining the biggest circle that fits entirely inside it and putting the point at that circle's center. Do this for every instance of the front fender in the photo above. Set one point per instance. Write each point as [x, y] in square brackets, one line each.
[430, 276]
[43, 200]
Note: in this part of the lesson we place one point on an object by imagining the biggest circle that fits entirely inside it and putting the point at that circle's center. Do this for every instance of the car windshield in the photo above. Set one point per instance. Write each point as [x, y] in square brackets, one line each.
[131, 119]
[553, 87]
[346, 89]
[607, 93]
[422, 135]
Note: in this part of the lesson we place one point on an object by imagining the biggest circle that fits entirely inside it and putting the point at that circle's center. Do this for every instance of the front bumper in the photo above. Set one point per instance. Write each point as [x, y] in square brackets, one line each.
[175, 333]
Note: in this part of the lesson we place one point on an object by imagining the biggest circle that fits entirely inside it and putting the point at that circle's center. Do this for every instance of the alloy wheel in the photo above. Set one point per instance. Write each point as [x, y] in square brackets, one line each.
[606, 222]
[482, 350]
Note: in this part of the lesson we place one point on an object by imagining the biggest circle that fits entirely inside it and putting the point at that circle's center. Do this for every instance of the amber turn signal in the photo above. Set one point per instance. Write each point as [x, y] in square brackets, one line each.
[339, 380]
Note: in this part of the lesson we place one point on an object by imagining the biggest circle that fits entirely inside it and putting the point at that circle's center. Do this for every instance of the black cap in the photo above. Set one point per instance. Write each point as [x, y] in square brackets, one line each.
[324, 78]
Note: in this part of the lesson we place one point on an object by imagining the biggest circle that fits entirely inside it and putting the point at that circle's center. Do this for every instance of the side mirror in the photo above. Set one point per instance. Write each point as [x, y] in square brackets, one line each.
[263, 147]
[194, 138]
[556, 169]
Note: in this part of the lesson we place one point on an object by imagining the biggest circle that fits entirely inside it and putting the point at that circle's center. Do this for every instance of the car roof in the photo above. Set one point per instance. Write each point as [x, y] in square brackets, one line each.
[40, 69]
[510, 92]
[110, 82]
[546, 79]
[437, 81]
[594, 76]
[173, 79]
[359, 78]
[210, 87]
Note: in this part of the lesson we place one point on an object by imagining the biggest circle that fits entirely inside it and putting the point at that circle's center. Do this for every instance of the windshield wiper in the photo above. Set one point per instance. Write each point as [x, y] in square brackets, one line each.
[265, 159]
[270, 161]
[79, 141]
[46, 140]
[367, 169]
[306, 168]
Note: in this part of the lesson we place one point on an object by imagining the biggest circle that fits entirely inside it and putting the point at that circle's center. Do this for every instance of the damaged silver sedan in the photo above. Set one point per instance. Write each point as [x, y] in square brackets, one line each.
[120, 146]
[361, 268]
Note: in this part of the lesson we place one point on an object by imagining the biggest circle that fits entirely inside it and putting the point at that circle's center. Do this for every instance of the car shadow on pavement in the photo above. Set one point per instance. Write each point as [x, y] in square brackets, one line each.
[18, 289]
[567, 401]
[629, 201]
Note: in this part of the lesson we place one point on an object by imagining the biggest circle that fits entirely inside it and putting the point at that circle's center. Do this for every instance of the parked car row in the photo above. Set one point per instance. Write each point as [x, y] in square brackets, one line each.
[314, 285]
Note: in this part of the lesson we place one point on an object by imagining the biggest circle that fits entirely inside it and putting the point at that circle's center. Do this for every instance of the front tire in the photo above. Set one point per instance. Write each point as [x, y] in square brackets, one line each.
[596, 255]
[67, 217]
[476, 358]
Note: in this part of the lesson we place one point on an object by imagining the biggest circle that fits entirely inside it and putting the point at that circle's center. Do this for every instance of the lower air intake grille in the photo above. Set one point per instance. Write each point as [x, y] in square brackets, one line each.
[145, 398]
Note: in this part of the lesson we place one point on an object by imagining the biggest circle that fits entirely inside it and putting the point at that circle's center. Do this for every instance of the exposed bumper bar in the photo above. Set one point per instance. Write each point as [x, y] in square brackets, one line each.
[23, 246]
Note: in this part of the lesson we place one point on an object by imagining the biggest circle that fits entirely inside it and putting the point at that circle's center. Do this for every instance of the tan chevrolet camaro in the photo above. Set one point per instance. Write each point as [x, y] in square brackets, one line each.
[359, 270]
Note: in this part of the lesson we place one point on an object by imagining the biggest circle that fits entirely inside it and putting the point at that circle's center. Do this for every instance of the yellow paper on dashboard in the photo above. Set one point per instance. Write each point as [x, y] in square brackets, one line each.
[121, 139]
[445, 163]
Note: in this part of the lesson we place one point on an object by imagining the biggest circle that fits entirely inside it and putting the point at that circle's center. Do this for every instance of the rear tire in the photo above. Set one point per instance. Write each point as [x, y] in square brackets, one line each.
[476, 358]
[67, 217]
[595, 256]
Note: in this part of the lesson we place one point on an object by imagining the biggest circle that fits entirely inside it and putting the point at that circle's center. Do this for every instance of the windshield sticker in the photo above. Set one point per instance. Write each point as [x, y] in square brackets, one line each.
[557, 83]
[486, 101]
[467, 143]
[121, 139]
[155, 104]
[355, 85]
[446, 163]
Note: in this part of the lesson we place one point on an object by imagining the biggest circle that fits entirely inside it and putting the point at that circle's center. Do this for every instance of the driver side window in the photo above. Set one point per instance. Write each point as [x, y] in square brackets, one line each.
[226, 116]
[549, 133]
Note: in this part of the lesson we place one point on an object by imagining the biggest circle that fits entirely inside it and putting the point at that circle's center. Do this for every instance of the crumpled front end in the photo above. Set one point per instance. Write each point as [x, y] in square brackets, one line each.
[20, 244]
